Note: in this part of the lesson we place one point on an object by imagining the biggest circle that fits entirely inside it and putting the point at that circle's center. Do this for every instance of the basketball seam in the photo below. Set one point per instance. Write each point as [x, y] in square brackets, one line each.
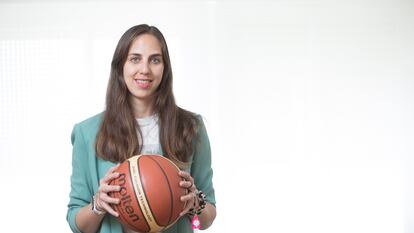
[171, 194]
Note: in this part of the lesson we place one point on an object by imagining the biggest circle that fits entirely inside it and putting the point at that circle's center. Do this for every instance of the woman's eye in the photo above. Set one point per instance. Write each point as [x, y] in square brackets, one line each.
[156, 60]
[134, 59]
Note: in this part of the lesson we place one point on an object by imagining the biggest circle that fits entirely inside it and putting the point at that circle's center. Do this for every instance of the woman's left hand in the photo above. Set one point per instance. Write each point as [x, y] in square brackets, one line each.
[190, 197]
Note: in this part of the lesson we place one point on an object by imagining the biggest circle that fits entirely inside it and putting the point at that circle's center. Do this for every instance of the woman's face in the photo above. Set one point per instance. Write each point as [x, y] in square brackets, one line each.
[144, 67]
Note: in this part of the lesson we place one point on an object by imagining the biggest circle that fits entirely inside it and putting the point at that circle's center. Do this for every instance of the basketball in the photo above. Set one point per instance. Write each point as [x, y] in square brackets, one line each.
[150, 193]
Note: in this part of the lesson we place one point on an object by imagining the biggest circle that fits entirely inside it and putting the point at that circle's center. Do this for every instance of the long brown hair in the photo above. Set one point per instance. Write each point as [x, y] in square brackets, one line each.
[117, 138]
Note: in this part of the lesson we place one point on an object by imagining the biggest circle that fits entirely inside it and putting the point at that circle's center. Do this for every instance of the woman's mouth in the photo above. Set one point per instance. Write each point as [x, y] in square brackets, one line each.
[143, 83]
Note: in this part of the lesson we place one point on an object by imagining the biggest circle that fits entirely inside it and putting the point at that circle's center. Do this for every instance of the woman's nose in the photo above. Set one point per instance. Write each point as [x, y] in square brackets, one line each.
[144, 68]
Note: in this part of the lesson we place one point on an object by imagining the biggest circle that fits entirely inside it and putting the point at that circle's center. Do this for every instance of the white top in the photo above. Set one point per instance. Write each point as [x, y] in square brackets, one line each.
[150, 134]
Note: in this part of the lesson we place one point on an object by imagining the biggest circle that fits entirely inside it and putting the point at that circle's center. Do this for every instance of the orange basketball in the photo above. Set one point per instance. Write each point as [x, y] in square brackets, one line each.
[150, 193]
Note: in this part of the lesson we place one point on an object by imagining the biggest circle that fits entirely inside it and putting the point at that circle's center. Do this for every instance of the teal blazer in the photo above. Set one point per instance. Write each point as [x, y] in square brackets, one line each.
[88, 169]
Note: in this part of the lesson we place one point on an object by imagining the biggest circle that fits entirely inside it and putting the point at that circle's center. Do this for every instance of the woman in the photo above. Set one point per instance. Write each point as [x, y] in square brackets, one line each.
[140, 117]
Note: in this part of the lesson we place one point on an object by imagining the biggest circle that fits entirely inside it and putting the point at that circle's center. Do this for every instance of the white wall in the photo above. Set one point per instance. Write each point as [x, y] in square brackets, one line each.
[309, 106]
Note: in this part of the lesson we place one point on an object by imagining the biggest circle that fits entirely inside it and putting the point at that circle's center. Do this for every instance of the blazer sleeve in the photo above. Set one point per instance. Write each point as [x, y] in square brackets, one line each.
[201, 169]
[80, 193]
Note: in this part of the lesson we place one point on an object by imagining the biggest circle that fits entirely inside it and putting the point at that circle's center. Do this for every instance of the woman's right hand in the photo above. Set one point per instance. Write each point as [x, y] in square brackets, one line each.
[102, 199]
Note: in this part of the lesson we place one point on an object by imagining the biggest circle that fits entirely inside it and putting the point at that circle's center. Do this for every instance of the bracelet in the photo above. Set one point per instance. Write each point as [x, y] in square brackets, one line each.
[201, 198]
[95, 209]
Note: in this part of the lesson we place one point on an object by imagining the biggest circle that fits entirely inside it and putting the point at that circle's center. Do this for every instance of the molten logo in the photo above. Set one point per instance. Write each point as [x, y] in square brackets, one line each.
[125, 204]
